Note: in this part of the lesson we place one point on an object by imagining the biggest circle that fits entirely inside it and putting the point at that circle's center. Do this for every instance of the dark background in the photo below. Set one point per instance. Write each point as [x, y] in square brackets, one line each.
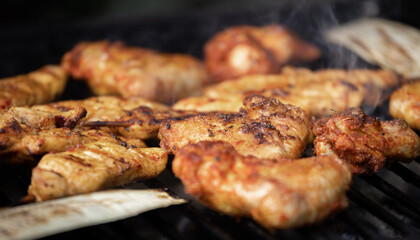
[35, 33]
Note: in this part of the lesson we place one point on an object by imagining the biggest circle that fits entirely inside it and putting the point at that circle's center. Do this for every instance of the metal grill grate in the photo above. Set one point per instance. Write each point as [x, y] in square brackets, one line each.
[381, 206]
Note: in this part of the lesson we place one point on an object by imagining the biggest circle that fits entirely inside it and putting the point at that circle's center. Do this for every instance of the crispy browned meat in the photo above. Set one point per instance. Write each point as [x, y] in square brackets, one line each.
[132, 117]
[245, 50]
[365, 142]
[94, 166]
[318, 93]
[405, 104]
[26, 134]
[112, 68]
[37, 87]
[277, 193]
[264, 128]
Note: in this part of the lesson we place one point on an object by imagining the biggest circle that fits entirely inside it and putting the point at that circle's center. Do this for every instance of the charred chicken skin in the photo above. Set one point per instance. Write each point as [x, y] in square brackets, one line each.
[365, 142]
[264, 128]
[405, 104]
[94, 166]
[131, 117]
[38, 87]
[114, 69]
[277, 193]
[245, 50]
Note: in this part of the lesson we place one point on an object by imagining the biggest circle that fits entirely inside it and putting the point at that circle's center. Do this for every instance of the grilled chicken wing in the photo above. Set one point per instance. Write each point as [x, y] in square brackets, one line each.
[94, 166]
[405, 104]
[277, 193]
[245, 50]
[112, 68]
[37, 87]
[264, 128]
[318, 93]
[365, 142]
[132, 117]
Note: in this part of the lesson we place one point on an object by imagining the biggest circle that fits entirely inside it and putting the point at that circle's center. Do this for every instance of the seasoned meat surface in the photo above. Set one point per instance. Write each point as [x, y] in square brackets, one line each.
[94, 166]
[405, 104]
[365, 142]
[277, 193]
[114, 69]
[130, 117]
[245, 50]
[37, 87]
[264, 128]
[26, 134]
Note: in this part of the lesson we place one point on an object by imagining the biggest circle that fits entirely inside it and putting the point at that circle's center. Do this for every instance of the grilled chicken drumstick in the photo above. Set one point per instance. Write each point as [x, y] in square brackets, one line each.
[97, 165]
[264, 128]
[277, 193]
[365, 142]
[38, 87]
[112, 68]
[245, 50]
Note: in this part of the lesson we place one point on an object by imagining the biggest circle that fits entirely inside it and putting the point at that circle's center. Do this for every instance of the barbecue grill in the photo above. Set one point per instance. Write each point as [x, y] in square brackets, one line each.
[384, 205]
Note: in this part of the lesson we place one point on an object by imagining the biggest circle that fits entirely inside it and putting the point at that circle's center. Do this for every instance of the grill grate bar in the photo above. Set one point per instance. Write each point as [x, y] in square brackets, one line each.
[356, 224]
[380, 212]
[392, 192]
[210, 228]
[405, 173]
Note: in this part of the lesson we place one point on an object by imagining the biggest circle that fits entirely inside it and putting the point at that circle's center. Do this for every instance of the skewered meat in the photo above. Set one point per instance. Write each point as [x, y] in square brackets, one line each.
[264, 128]
[318, 93]
[245, 50]
[405, 104]
[277, 193]
[112, 68]
[132, 117]
[365, 142]
[38, 87]
[94, 166]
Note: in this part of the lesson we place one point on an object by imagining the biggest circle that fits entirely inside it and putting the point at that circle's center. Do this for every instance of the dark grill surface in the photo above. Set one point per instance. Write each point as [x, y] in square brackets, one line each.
[384, 205]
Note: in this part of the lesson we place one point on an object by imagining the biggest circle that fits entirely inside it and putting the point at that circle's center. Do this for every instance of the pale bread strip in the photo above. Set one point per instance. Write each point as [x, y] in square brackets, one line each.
[388, 44]
[46, 218]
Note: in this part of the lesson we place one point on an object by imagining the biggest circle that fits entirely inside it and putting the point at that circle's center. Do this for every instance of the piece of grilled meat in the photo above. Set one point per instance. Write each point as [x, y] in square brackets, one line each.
[264, 128]
[405, 104]
[114, 69]
[97, 165]
[245, 50]
[131, 117]
[365, 142]
[318, 93]
[27, 134]
[38, 87]
[277, 193]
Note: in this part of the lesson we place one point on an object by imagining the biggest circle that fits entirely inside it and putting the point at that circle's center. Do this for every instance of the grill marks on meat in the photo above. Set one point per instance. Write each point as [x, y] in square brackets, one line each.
[363, 141]
[264, 128]
[114, 69]
[94, 166]
[245, 50]
[132, 117]
[277, 193]
[38, 87]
